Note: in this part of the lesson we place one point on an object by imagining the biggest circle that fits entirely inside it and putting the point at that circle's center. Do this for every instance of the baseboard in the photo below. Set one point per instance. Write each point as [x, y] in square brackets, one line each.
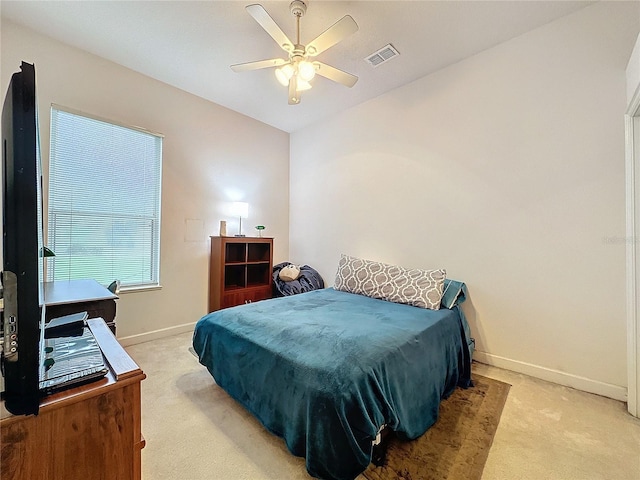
[156, 334]
[562, 378]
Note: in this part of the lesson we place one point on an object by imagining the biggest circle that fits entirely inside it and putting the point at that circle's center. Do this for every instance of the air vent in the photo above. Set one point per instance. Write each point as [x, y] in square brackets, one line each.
[385, 54]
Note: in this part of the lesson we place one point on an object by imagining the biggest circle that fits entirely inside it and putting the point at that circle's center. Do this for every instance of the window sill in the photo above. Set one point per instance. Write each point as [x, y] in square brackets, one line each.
[139, 288]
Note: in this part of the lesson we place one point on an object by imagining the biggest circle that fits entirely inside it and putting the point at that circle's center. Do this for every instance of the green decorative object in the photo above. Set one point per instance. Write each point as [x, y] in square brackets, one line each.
[260, 228]
[46, 252]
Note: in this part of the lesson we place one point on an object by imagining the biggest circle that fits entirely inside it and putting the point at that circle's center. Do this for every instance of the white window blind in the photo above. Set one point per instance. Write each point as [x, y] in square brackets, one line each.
[104, 201]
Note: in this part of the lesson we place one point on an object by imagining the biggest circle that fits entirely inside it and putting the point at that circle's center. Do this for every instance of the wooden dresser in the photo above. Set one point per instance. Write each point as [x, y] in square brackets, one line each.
[240, 271]
[91, 432]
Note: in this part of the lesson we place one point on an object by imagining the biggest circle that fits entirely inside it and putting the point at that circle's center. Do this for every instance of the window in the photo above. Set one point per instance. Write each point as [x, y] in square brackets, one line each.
[104, 201]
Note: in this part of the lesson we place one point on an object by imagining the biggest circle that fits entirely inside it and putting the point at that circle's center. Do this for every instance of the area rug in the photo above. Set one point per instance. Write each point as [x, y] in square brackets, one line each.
[457, 446]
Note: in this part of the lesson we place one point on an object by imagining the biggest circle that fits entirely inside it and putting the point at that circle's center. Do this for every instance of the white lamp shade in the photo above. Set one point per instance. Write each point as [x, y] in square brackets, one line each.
[240, 209]
[302, 85]
[306, 70]
[284, 74]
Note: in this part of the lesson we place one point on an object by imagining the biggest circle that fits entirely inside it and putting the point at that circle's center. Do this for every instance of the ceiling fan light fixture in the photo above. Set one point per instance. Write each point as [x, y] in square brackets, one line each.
[302, 85]
[284, 74]
[306, 70]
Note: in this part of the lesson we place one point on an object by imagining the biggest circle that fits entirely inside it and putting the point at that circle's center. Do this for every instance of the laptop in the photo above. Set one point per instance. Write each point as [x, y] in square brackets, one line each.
[71, 357]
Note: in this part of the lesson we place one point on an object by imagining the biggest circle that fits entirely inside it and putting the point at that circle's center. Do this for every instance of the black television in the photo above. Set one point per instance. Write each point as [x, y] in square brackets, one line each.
[22, 244]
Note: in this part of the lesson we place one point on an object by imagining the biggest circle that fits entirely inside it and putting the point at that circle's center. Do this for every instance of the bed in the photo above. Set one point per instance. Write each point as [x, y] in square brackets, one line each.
[326, 370]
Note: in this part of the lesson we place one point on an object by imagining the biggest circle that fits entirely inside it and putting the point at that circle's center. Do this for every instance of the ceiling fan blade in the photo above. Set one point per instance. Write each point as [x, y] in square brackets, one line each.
[294, 95]
[335, 74]
[243, 67]
[264, 19]
[332, 35]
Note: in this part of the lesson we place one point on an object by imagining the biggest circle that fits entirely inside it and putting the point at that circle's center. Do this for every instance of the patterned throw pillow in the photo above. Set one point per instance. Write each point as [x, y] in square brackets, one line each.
[420, 288]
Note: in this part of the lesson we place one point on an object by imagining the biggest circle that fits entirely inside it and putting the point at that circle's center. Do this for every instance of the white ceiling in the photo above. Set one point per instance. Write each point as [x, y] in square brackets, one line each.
[191, 44]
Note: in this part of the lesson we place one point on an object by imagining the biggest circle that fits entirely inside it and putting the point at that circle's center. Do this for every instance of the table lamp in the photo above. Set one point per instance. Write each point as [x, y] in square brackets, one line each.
[240, 210]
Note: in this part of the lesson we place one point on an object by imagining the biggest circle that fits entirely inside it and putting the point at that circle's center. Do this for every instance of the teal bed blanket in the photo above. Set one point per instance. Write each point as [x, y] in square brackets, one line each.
[326, 370]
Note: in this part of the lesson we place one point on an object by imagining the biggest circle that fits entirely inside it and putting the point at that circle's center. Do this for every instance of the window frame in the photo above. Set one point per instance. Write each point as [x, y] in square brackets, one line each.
[155, 240]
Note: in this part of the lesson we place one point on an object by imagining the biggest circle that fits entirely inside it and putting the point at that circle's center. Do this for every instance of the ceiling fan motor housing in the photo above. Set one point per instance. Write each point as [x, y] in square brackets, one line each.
[298, 53]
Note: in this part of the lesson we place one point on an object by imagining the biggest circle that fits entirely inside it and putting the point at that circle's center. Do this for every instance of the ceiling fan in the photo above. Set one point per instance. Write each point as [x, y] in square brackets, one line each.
[297, 71]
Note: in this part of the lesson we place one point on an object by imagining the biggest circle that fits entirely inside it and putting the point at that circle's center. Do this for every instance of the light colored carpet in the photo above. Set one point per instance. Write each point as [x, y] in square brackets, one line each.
[195, 431]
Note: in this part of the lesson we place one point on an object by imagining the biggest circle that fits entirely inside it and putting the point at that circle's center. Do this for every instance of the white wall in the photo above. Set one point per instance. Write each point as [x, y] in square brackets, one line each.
[633, 227]
[210, 156]
[507, 169]
[633, 71]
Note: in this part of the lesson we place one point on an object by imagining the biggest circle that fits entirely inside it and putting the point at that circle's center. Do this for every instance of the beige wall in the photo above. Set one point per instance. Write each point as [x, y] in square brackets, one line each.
[633, 231]
[507, 169]
[633, 71]
[210, 155]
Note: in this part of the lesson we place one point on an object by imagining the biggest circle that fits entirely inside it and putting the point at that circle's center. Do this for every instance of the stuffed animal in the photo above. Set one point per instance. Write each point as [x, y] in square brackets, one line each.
[289, 273]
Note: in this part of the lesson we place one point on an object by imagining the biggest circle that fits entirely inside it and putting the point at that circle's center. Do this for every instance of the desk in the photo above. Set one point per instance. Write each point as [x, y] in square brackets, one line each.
[64, 297]
[91, 432]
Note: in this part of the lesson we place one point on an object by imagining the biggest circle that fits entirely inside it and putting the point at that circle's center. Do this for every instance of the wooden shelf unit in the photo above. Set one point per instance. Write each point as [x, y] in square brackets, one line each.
[239, 271]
